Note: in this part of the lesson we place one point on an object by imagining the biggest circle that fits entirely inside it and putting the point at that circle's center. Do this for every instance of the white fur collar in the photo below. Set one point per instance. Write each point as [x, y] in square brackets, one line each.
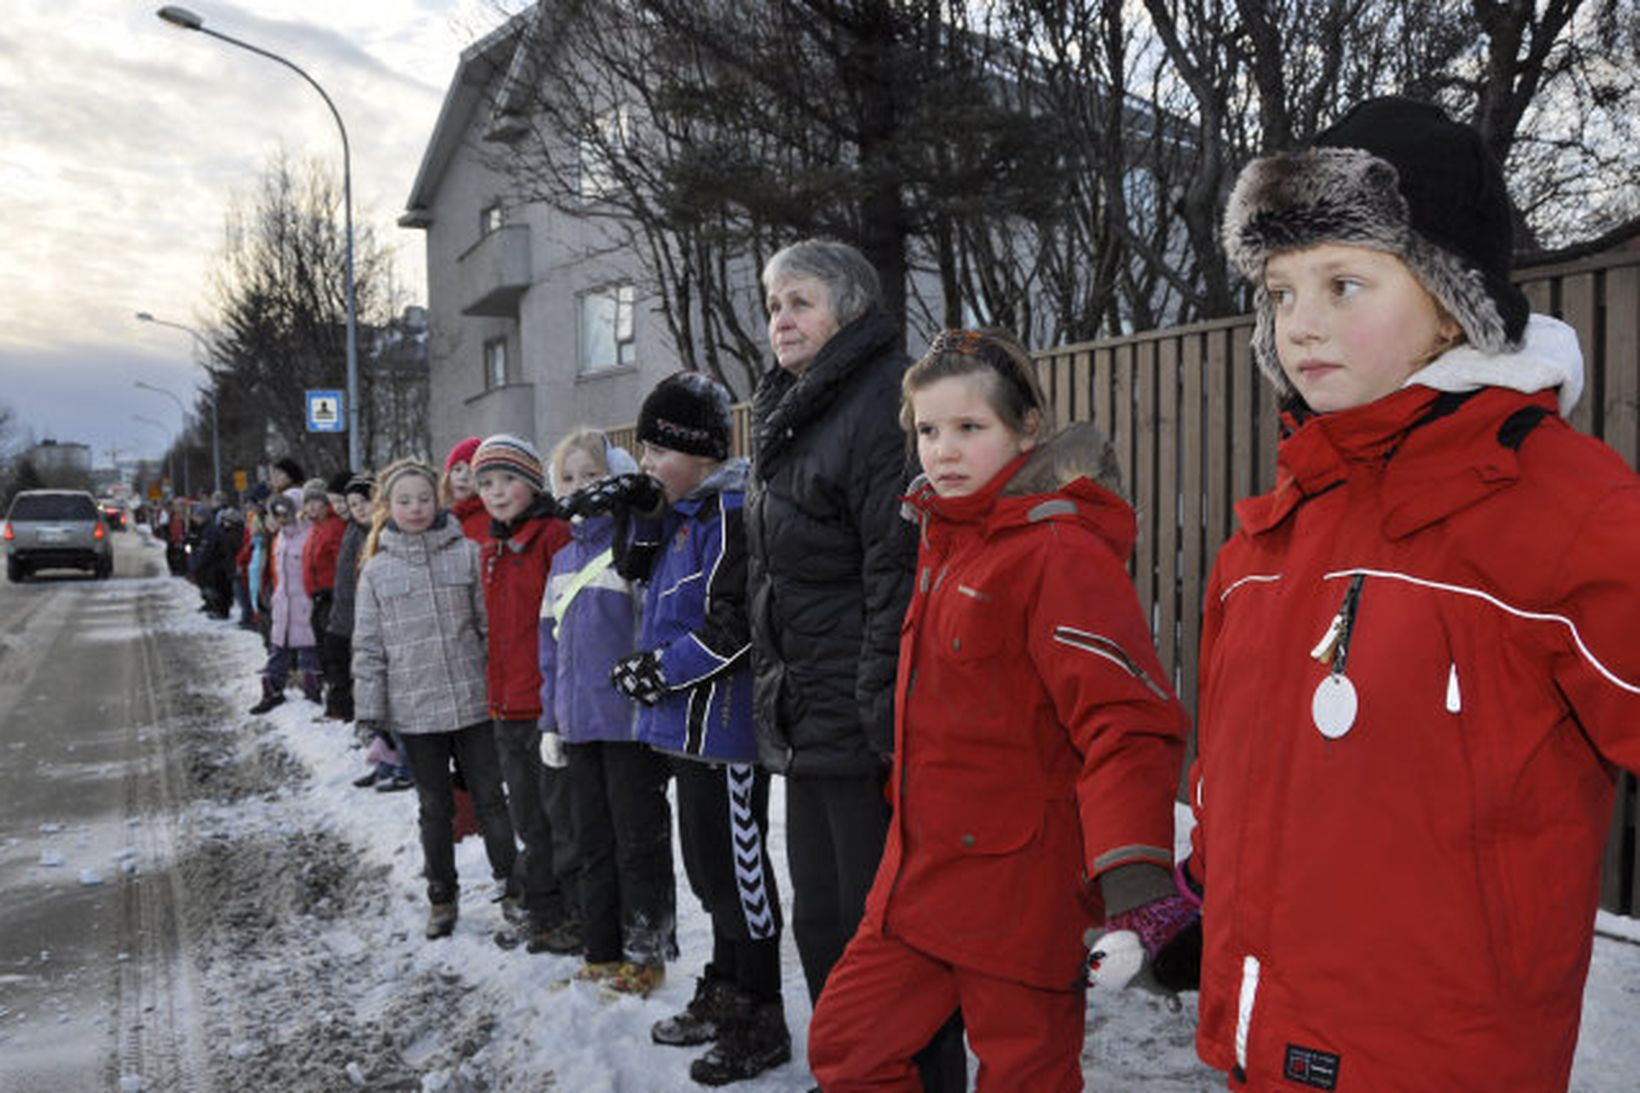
[1549, 356]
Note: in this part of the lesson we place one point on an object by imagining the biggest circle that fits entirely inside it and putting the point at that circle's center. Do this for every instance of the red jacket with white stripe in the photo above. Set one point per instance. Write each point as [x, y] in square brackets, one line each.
[1419, 665]
[1037, 743]
[515, 577]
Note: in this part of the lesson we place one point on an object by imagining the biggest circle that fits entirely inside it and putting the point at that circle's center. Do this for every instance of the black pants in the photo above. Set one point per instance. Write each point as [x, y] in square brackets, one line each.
[723, 827]
[623, 836]
[835, 830]
[538, 800]
[336, 662]
[429, 756]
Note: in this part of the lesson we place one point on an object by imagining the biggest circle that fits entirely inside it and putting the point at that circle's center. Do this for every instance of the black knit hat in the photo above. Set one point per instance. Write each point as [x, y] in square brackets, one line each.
[338, 482]
[292, 469]
[363, 484]
[1394, 175]
[688, 412]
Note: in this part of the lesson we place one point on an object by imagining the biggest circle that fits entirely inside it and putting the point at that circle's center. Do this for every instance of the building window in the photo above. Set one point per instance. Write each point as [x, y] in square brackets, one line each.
[495, 363]
[490, 218]
[608, 336]
[599, 150]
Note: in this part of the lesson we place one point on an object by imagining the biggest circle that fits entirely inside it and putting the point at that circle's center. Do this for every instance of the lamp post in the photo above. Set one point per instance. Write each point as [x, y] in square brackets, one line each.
[187, 489]
[205, 352]
[187, 20]
[170, 448]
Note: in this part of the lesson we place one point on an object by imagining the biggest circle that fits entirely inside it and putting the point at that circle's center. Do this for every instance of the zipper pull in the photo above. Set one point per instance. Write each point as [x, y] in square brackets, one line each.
[1454, 700]
[1328, 644]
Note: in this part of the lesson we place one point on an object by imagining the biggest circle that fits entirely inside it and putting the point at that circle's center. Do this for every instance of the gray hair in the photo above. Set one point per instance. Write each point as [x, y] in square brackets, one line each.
[849, 279]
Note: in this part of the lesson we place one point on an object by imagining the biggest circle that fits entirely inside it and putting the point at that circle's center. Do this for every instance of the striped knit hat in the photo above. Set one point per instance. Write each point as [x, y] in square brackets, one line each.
[505, 452]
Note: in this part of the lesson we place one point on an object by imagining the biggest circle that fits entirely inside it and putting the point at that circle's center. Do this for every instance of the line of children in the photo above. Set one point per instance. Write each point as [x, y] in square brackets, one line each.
[291, 640]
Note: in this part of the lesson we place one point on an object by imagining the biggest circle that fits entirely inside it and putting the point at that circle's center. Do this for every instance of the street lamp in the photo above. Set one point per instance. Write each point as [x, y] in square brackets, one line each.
[187, 20]
[170, 448]
[187, 489]
[205, 351]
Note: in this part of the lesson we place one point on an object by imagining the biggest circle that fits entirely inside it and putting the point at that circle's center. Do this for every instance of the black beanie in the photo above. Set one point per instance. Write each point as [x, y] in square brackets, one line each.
[688, 412]
[1395, 175]
[292, 469]
[338, 482]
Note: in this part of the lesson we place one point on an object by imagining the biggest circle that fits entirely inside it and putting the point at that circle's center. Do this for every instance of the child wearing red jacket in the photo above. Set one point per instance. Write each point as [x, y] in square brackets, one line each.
[325, 504]
[457, 493]
[1419, 666]
[1037, 749]
[525, 532]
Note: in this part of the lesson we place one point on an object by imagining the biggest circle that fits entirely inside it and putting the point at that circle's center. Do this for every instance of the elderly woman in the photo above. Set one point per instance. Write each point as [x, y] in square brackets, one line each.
[830, 564]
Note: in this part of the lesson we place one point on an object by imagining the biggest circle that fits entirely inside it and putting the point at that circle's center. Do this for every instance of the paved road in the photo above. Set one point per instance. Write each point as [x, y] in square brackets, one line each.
[90, 991]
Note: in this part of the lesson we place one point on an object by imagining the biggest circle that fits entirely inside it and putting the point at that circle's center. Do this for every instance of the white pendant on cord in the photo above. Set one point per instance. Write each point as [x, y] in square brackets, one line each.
[1334, 706]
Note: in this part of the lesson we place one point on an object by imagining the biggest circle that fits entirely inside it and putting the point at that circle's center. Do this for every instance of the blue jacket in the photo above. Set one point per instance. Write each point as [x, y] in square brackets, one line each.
[694, 617]
[589, 620]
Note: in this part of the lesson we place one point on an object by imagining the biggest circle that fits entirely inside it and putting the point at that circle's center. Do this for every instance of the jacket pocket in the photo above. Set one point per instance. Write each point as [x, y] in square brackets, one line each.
[967, 623]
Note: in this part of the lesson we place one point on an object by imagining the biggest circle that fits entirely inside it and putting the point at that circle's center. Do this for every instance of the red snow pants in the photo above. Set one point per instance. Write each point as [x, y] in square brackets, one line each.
[885, 999]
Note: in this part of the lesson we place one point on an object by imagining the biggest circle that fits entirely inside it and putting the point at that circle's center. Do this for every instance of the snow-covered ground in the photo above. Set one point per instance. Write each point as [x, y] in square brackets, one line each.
[304, 909]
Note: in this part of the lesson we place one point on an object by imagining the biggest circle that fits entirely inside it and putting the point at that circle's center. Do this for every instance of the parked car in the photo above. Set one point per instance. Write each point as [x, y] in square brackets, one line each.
[56, 529]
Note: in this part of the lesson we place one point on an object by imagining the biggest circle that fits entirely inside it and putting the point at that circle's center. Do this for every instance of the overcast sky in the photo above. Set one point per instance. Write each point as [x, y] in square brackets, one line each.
[123, 141]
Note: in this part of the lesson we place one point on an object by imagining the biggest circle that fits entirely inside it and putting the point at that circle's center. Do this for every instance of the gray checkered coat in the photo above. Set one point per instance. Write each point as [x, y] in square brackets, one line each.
[418, 633]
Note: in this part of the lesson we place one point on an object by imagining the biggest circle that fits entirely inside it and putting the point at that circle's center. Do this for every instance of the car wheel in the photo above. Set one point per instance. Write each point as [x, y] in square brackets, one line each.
[105, 569]
[15, 573]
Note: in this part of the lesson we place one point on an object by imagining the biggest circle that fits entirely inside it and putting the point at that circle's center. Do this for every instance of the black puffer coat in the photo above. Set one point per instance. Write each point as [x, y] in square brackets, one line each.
[831, 560]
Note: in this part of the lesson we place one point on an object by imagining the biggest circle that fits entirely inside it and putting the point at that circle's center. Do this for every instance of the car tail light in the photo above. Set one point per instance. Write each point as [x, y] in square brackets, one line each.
[98, 532]
[8, 534]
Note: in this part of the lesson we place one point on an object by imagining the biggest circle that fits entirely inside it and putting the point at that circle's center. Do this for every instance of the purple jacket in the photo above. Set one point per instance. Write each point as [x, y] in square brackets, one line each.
[593, 626]
[292, 606]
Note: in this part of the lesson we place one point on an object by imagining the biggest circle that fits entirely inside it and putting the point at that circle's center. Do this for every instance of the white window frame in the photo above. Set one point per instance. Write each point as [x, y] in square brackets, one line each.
[491, 217]
[495, 354]
[606, 328]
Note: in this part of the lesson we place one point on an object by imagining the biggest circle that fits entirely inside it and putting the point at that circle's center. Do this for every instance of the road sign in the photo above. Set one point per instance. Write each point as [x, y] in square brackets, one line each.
[324, 412]
[240, 480]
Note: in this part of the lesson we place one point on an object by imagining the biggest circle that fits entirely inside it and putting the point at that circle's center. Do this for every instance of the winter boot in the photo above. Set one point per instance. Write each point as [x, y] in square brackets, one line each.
[699, 1022]
[637, 979]
[441, 919]
[754, 1039]
[271, 696]
[311, 689]
[562, 937]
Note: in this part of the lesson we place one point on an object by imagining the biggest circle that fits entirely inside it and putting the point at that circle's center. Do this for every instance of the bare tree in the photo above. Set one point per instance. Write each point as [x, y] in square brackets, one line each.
[280, 328]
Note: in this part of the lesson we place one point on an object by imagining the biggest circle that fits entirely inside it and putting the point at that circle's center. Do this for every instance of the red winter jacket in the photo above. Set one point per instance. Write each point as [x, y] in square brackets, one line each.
[1037, 744]
[515, 575]
[1402, 897]
[319, 554]
[473, 517]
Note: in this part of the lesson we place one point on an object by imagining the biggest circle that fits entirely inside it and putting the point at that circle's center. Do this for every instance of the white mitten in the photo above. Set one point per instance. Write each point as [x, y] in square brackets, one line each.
[1115, 957]
[552, 751]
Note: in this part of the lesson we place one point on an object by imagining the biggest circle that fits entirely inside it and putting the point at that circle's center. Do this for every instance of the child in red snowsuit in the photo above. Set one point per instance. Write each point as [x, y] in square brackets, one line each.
[1037, 750]
[1419, 669]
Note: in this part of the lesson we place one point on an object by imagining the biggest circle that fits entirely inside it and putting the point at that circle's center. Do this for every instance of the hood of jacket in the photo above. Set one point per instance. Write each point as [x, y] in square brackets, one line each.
[1549, 357]
[730, 477]
[783, 403]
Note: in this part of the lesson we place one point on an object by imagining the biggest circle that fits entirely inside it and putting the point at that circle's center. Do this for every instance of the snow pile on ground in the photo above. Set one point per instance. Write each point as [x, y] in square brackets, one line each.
[305, 905]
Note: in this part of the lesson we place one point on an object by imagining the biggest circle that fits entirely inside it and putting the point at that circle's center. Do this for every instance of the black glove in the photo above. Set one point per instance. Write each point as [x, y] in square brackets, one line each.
[638, 676]
[636, 493]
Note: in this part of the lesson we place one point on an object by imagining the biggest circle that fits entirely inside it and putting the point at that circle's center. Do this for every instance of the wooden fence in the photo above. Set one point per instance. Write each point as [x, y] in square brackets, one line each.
[1194, 425]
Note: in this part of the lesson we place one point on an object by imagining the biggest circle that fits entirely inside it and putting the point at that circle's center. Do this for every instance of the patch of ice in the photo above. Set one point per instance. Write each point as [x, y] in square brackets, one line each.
[50, 858]
[90, 878]
[50, 829]
[130, 1083]
[355, 1074]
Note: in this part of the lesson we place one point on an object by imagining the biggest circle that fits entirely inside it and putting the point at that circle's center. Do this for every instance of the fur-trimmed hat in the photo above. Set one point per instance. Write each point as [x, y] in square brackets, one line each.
[688, 412]
[284, 505]
[505, 452]
[1395, 175]
[314, 489]
[462, 452]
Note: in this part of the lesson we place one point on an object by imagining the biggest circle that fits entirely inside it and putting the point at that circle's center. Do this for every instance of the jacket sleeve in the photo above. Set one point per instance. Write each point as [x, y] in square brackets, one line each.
[369, 654]
[1598, 669]
[547, 650]
[888, 545]
[1088, 640]
[724, 636]
[1212, 620]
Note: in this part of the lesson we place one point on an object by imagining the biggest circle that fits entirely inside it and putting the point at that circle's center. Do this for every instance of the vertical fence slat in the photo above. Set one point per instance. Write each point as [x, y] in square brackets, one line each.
[1144, 477]
[1103, 381]
[1081, 386]
[1244, 449]
[1577, 307]
[1621, 361]
[1193, 419]
[1219, 456]
[1169, 490]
